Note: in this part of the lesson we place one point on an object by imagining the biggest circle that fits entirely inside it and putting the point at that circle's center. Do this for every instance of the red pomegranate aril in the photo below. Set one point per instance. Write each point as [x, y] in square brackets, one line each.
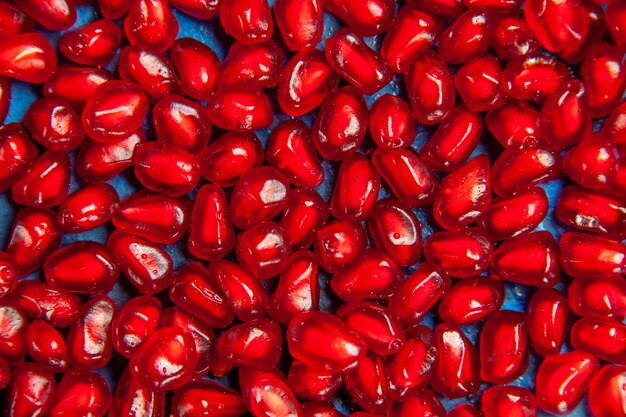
[320, 409]
[17, 154]
[131, 399]
[411, 34]
[88, 207]
[54, 124]
[341, 124]
[98, 161]
[240, 108]
[418, 293]
[557, 25]
[614, 14]
[211, 234]
[166, 168]
[565, 117]
[146, 265]
[206, 398]
[38, 301]
[312, 385]
[534, 77]
[514, 125]
[115, 110]
[512, 37]
[607, 395]
[604, 339]
[13, 20]
[367, 18]
[80, 394]
[575, 52]
[468, 37]
[461, 254]
[263, 249]
[323, 342]
[457, 370]
[89, 341]
[244, 293]
[291, 150]
[257, 65]
[168, 345]
[47, 182]
[51, 14]
[202, 334]
[466, 410]
[151, 23]
[266, 393]
[5, 97]
[195, 291]
[197, 65]
[373, 274]
[9, 274]
[454, 140]
[563, 380]
[584, 255]
[300, 23]
[471, 300]
[149, 68]
[480, 84]
[548, 314]
[304, 214]
[298, 288]
[511, 216]
[338, 243]
[247, 21]
[256, 343]
[74, 84]
[367, 384]
[394, 228]
[598, 298]
[503, 347]
[406, 175]
[391, 123]
[430, 87]
[422, 403]
[356, 189]
[30, 391]
[501, 401]
[518, 170]
[604, 75]
[531, 259]
[14, 325]
[94, 44]
[46, 346]
[229, 156]
[113, 9]
[304, 82]
[591, 162]
[133, 324]
[27, 57]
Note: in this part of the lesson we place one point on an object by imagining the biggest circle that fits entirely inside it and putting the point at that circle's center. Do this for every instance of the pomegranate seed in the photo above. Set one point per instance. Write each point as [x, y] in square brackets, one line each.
[17, 154]
[198, 67]
[240, 108]
[151, 23]
[461, 254]
[146, 66]
[614, 14]
[480, 84]
[512, 37]
[598, 297]
[606, 391]
[130, 397]
[54, 124]
[9, 274]
[468, 37]
[13, 342]
[51, 14]
[391, 123]
[211, 234]
[604, 339]
[38, 301]
[257, 65]
[13, 20]
[206, 398]
[514, 125]
[102, 161]
[565, 117]
[30, 391]
[356, 189]
[114, 9]
[548, 313]
[200, 9]
[508, 400]
[604, 87]
[303, 216]
[557, 24]
[94, 44]
[424, 403]
[471, 300]
[134, 323]
[584, 255]
[47, 182]
[263, 250]
[27, 57]
[575, 52]
[367, 384]
[312, 385]
[591, 162]
[247, 21]
[80, 393]
[74, 84]
[300, 23]
[266, 393]
[466, 410]
[367, 18]
[450, 9]
[88, 207]
[338, 243]
[534, 77]
[46, 346]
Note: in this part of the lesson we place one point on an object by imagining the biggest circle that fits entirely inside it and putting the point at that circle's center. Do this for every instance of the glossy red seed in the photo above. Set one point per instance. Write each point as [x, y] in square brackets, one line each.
[338, 243]
[9, 274]
[471, 300]
[114, 9]
[240, 108]
[298, 288]
[423, 403]
[94, 44]
[323, 342]
[80, 393]
[146, 265]
[247, 21]
[575, 52]
[512, 37]
[30, 391]
[146, 66]
[604, 339]
[367, 384]
[244, 293]
[534, 77]
[74, 84]
[406, 175]
[548, 313]
[46, 346]
[411, 34]
[468, 37]
[152, 23]
[563, 380]
[312, 385]
[391, 123]
[17, 154]
[607, 394]
[13, 343]
[461, 254]
[257, 65]
[394, 228]
[430, 87]
[356, 189]
[197, 65]
[47, 182]
[200, 9]
[131, 399]
[304, 82]
[457, 370]
[614, 16]
[373, 274]
[604, 75]
[206, 398]
[103, 161]
[557, 24]
[418, 293]
[211, 234]
[598, 297]
[508, 400]
[27, 57]
[266, 393]
[514, 215]
[520, 169]
[195, 291]
[565, 117]
[263, 249]
[341, 124]
[51, 14]
[54, 124]
[114, 111]
[13, 20]
[584, 255]
[166, 168]
[229, 156]
[304, 214]
[480, 84]
[591, 162]
[166, 360]
[291, 151]
[38, 301]
[88, 207]
[134, 323]
[466, 410]
[300, 22]
[514, 125]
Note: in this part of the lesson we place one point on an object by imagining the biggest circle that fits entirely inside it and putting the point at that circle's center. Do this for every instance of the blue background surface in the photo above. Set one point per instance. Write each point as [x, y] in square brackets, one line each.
[211, 33]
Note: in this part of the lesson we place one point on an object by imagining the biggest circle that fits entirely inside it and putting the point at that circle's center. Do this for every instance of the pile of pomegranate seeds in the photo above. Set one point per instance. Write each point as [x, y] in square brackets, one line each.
[335, 208]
